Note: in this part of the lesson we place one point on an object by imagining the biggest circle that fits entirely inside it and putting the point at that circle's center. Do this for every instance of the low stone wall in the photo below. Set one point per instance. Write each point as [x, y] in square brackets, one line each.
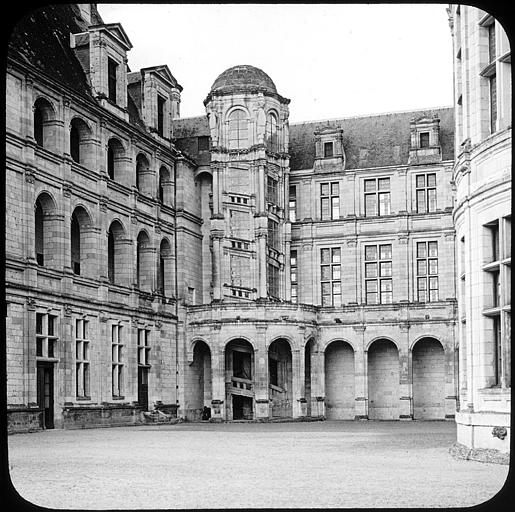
[101, 416]
[24, 420]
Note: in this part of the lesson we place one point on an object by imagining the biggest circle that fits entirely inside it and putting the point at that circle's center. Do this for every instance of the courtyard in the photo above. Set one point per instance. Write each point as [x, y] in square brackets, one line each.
[250, 465]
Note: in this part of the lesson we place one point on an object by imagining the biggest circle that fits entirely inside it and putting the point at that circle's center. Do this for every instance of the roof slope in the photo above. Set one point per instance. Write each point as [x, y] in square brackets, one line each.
[370, 141]
[42, 39]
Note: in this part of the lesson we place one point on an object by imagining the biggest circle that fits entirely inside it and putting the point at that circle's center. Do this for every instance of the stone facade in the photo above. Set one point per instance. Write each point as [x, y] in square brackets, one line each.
[482, 216]
[230, 266]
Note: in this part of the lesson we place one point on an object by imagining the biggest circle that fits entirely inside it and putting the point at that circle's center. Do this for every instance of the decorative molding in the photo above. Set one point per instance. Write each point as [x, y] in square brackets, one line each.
[31, 304]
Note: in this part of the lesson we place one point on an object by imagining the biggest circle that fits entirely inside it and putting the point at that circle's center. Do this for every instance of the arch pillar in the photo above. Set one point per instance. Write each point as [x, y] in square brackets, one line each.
[218, 381]
[317, 382]
[361, 376]
[298, 371]
[261, 374]
[405, 377]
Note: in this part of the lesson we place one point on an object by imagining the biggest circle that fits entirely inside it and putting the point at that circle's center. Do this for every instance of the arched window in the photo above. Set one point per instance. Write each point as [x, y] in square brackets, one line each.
[114, 156]
[116, 255]
[81, 234]
[144, 262]
[271, 133]
[46, 224]
[164, 273]
[143, 179]
[79, 135]
[238, 129]
[40, 234]
[44, 117]
[164, 185]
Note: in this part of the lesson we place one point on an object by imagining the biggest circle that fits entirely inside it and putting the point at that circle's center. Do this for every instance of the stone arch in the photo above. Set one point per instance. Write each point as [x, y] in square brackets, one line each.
[80, 141]
[165, 281]
[309, 370]
[144, 263]
[331, 340]
[165, 186]
[82, 241]
[291, 341]
[45, 122]
[115, 159]
[117, 254]
[369, 344]
[383, 379]
[45, 226]
[272, 131]
[339, 371]
[199, 376]
[428, 378]
[280, 377]
[143, 174]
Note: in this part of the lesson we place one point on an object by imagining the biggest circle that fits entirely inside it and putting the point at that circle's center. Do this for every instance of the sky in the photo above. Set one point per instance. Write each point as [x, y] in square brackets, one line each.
[331, 60]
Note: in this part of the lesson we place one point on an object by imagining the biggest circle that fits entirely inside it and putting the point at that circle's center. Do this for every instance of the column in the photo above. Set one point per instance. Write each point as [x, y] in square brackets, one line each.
[451, 367]
[218, 382]
[217, 289]
[317, 382]
[405, 375]
[261, 189]
[298, 371]
[261, 239]
[261, 373]
[360, 375]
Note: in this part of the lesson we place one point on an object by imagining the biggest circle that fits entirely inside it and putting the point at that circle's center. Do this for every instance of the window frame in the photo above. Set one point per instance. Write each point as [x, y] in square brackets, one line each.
[331, 297]
[377, 194]
[331, 199]
[82, 363]
[376, 279]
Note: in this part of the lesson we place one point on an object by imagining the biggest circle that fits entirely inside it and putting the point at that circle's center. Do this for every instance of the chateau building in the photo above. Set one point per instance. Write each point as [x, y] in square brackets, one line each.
[234, 265]
[482, 216]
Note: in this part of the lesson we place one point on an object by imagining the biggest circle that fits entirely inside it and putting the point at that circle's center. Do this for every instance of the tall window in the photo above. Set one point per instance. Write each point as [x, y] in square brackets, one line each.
[238, 129]
[117, 360]
[271, 133]
[75, 144]
[293, 276]
[38, 125]
[110, 257]
[292, 203]
[46, 335]
[489, 72]
[44, 115]
[273, 233]
[330, 200]
[426, 193]
[424, 139]
[427, 271]
[330, 276]
[110, 161]
[75, 245]
[377, 197]
[161, 102]
[273, 281]
[328, 149]
[271, 190]
[82, 358]
[378, 274]
[40, 234]
[143, 347]
[112, 69]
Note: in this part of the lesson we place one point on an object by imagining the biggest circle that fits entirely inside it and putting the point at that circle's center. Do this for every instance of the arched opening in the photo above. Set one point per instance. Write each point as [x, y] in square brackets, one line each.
[144, 262]
[428, 380]
[238, 129]
[44, 118]
[45, 225]
[339, 381]
[164, 269]
[383, 380]
[272, 142]
[79, 141]
[199, 403]
[115, 155]
[309, 371]
[239, 380]
[280, 379]
[117, 261]
[81, 239]
[165, 186]
[143, 174]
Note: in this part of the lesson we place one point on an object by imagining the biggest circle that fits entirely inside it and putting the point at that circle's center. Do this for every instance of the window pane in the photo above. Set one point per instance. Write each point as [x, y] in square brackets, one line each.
[336, 256]
[421, 180]
[433, 295]
[421, 201]
[433, 267]
[293, 276]
[433, 283]
[335, 207]
[78, 329]
[335, 189]
[421, 267]
[39, 323]
[371, 298]
[385, 252]
[386, 297]
[78, 350]
[371, 286]
[384, 203]
[370, 205]
[337, 300]
[370, 252]
[384, 184]
[337, 290]
[421, 283]
[326, 300]
[431, 199]
[326, 288]
[325, 255]
[386, 269]
[386, 285]
[336, 272]
[370, 185]
[431, 180]
[51, 325]
[421, 249]
[324, 189]
[39, 347]
[371, 270]
[325, 208]
[50, 348]
[433, 249]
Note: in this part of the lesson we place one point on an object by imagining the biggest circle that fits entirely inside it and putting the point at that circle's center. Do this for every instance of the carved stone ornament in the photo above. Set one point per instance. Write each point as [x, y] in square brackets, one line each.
[67, 191]
[159, 324]
[31, 304]
[29, 176]
[500, 432]
[67, 310]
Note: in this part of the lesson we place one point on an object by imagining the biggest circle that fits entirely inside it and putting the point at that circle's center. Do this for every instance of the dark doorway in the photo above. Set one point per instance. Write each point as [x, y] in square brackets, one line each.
[45, 393]
[241, 407]
[143, 387]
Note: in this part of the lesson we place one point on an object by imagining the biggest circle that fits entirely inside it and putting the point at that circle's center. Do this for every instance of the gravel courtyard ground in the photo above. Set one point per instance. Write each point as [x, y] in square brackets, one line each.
[249, 465]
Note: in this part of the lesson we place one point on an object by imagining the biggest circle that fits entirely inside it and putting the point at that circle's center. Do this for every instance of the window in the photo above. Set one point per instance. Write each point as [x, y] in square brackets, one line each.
[144, 263]
[328, 149]
[143, 347]
[378, 274]
[330, 200]
[75, 144]
[292, 203]
[427, 271]
[330, 276]
[491, 42]
[273, 281]
[110, 161]
[271, 190]
[493, 103]
[161, 102]
[238, 129]
[117, 271]
[273, 371]
[497, 346]
[273, 234]
[424, 139]
[143, 180]
[38, 125]
[46, 338]
[82, 358]
[271, 133]
[75, 244]
[490, 73]
[203, 143]
[112, 70]
[426, 193]
[45, 225]
[117, 360]
[40, 234]
[377, 197]
[293, 276]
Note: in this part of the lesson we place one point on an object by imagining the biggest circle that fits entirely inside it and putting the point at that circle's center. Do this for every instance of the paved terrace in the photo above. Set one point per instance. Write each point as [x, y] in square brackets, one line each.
[243, 465]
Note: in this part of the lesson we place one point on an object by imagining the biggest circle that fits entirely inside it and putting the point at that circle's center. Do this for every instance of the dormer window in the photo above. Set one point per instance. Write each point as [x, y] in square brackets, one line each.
[161, 102]
[424, 139]
[328, 149]
[112, 69]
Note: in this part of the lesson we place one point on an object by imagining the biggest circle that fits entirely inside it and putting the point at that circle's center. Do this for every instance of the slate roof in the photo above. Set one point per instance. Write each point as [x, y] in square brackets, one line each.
[370, 141]
[243, 75]
[42, 39]
[190, 127]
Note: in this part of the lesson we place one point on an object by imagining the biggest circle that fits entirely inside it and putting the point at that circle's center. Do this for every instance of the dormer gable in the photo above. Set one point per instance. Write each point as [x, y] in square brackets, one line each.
[425, 141]
[329, 151]
[102, 51]
[157, 94]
